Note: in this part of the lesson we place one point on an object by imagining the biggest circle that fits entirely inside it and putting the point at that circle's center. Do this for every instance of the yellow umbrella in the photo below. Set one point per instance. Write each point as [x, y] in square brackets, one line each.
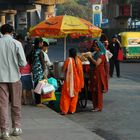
[62, 26]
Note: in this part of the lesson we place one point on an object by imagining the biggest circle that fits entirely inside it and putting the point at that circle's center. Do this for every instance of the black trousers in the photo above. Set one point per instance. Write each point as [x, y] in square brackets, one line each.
[114, 63]
[37, 96]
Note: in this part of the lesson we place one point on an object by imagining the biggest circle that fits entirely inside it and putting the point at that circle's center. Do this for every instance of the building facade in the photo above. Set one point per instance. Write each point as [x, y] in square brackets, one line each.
[26, 13]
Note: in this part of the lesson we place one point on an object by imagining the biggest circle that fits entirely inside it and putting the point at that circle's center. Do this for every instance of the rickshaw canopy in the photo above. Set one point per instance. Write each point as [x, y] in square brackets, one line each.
[130, 38]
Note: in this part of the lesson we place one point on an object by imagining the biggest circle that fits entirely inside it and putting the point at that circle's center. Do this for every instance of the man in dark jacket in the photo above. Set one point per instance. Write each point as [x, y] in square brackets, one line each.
[114, 47]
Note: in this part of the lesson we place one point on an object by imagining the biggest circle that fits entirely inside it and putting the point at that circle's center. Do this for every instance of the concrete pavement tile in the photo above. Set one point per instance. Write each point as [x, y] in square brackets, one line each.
[40, 124]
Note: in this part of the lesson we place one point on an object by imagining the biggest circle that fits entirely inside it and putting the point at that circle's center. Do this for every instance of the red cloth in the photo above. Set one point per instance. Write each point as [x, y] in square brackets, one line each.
[98, 83]
[48, 95]
[26, 69]
[86, 68]
[120, 55]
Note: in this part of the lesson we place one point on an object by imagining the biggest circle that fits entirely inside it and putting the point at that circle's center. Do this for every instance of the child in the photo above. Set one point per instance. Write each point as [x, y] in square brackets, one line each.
[27, 84]
[46, 58]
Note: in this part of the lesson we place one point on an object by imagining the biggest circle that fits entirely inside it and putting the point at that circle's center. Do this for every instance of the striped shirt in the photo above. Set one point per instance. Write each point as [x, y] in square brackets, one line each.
[11, 57]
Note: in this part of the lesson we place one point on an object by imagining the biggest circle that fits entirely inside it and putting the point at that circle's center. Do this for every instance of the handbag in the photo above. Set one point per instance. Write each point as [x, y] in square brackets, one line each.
[120, 55]
[47, 88]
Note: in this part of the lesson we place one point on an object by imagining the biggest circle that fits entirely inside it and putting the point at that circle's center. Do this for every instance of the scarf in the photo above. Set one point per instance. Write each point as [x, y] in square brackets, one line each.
[70, 78]
[102, 50]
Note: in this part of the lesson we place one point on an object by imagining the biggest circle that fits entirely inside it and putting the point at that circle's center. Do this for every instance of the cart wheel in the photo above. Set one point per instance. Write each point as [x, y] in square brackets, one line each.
[83, 97]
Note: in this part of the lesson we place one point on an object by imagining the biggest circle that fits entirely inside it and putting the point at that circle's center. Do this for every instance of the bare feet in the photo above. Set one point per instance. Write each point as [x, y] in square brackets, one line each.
[41, 105]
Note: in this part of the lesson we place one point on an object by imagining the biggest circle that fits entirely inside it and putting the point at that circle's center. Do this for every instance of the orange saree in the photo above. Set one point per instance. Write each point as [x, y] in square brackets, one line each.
[73, 83]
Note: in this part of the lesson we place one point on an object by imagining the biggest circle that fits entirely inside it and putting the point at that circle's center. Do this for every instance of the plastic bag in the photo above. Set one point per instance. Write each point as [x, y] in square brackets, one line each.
[46, 96]
[40, 85]
[53, 98]
[53, 82]
[47, 88]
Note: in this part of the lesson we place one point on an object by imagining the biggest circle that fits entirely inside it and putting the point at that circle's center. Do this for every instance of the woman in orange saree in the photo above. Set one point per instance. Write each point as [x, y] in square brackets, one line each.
[73, 83]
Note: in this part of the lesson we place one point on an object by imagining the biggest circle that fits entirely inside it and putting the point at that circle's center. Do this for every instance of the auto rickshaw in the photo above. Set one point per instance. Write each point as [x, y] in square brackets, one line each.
[131, 45]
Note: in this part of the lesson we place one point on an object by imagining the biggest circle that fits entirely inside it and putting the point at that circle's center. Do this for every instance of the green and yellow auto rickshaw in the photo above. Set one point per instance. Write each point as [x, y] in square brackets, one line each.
[131, 45]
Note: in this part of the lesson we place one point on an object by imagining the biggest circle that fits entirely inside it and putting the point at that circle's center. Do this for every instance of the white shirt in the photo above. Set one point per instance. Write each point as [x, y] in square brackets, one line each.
[108, 55]
[46, 59]
[11, 57]
[48, 62]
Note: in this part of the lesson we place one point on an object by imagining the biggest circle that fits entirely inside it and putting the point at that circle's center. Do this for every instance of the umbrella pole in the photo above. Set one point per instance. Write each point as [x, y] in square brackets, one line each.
[65, 51]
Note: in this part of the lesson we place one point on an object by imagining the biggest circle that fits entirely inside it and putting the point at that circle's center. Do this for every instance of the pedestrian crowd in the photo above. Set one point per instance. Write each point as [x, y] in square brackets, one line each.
[25, 63]
[20, 66]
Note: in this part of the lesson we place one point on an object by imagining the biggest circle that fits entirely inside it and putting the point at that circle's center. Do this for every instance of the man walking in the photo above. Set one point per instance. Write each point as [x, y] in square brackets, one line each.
[11, 57]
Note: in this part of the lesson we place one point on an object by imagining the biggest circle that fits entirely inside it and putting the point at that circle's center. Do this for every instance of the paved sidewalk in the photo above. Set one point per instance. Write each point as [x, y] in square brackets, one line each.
[45, 124]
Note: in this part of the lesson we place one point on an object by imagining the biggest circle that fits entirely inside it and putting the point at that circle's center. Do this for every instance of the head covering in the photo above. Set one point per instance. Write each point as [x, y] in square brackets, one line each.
[102, 50]
[101, 47]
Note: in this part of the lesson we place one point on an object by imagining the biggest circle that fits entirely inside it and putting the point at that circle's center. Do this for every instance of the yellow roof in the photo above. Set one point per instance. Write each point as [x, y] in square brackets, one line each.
[127, 36]
[130, 34]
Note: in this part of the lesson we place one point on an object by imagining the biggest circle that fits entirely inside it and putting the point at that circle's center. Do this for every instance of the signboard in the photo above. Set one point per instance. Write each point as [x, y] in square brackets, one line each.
[97, 17]
[104, 23]
[97, 14]
[96, 8]
[134, 42]
[125, 10]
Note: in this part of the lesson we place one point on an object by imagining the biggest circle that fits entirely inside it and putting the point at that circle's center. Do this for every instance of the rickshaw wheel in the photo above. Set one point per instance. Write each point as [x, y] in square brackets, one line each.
[83, 97]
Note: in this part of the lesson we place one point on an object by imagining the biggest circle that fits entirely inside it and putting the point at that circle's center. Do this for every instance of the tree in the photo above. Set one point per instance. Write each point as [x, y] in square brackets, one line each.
[75, 8]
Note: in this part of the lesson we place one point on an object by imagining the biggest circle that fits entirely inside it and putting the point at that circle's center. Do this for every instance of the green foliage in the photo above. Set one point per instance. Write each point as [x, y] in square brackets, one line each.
[75, 8]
